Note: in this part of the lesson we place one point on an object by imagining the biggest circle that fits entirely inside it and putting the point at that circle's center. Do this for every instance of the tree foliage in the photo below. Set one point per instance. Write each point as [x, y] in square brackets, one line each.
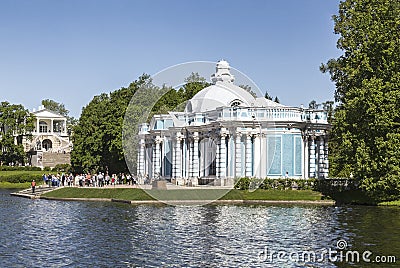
[55, 107]
[108, 126]
[366, 135]
[15, 124]
[269, 97]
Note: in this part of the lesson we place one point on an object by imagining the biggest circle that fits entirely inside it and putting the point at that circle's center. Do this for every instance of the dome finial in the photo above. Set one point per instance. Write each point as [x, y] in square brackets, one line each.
[222, 73]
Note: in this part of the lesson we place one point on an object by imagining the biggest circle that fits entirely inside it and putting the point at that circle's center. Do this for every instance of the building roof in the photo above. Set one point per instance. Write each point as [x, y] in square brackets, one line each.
[224, 93]
[45, 113]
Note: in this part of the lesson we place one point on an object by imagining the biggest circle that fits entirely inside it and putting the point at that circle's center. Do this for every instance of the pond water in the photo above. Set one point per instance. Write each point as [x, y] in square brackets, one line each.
[42, 233]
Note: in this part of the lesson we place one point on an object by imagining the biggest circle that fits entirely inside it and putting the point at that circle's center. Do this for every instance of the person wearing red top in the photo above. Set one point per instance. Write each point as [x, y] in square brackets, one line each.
[33, 184]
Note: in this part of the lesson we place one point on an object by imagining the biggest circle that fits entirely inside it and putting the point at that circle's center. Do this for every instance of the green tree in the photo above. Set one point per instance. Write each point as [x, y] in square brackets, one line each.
[366, 135]
[267, 96]
[55, 107]
[328, 107]
[16, 123]
[248, 89]
[313, 105]
[108, 127]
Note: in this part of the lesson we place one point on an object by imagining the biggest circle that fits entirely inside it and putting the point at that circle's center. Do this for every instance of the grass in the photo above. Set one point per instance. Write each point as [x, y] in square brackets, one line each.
[9, 185]
[125, 193]
[390, 203]
[195, 194]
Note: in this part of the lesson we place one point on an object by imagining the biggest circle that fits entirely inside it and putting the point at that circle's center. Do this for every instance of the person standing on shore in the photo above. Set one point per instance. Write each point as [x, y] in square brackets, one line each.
[33, 184]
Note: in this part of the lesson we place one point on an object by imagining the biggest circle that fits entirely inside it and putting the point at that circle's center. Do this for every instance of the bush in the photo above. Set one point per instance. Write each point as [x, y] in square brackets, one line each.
[20, 178]
[18, 168]
[243, 184]
[276, 184]
[62, 168]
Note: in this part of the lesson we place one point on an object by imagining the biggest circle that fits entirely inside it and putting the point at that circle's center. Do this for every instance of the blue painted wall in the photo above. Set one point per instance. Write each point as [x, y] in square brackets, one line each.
[284, 154]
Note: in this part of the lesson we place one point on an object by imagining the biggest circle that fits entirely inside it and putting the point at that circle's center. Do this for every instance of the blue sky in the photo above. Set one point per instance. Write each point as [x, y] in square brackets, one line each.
[70, 51]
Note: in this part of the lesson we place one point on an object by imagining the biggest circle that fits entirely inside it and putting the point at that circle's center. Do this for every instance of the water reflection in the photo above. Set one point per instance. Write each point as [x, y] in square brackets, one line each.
[41, 233]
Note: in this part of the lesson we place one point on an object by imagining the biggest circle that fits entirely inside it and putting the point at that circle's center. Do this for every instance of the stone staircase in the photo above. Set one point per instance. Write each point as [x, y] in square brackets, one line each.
[51, 159]
[39, 190]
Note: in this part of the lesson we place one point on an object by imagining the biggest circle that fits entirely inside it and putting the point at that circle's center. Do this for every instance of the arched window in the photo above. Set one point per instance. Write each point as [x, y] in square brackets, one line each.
[42, 127]
[235, 103]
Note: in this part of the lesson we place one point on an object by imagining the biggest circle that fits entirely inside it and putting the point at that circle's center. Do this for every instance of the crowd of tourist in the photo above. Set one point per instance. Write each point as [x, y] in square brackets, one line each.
[88, 180]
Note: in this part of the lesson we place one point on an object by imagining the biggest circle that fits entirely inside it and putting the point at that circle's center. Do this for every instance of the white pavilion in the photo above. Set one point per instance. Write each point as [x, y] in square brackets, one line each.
[50, 144]
[226, 133]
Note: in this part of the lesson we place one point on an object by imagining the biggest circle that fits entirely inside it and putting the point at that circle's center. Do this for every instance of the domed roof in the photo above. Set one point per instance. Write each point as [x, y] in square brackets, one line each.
[219, 95]
[223, 93]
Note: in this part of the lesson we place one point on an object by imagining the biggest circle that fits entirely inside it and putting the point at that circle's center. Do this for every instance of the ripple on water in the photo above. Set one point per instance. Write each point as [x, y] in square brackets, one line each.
[42, 233]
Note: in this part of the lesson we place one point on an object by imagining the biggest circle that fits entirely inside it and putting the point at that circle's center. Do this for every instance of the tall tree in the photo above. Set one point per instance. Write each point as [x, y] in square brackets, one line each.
[313, 105]
[15, 124]
[108, 126]
[55, 107]
[366, 129]
[248, 89]
[267, 96]
[97, 137]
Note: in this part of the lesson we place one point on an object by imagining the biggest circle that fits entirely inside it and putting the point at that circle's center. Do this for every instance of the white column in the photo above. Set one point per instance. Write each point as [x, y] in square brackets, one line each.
[263, 156]
[173, 160]
[321, 162]
[157, 167]
[153, 158]
[51, 125]
[238, 155]
[146, 161]
[257, 156]
[190, 143]
[178, 158]
[230, 157]
[138, 161]
[312, 157]
[326, 159]
[218, 158]
[37, 126]
[248, 159]
[196, 155]
[141, 157]
[202, 159]
[306, 174]
[223, 156]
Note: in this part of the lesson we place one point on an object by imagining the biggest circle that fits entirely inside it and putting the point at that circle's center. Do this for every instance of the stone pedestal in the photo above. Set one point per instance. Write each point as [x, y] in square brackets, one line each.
[194, 182]
[159, 185]
[218, 182]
